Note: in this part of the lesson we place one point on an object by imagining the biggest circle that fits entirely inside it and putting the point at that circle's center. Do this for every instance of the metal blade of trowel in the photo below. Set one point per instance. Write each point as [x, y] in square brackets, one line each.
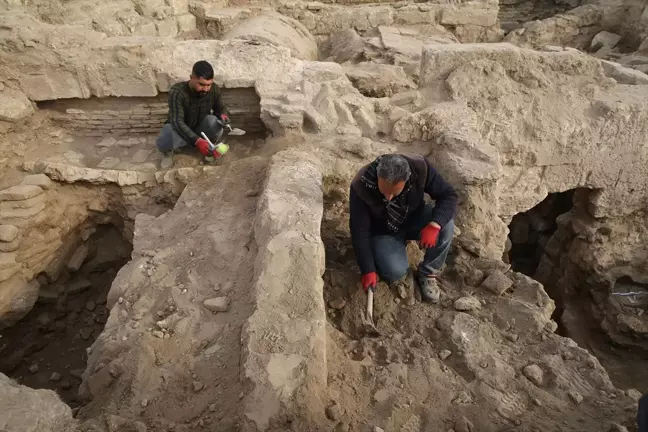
[368, 322]
[235, 131]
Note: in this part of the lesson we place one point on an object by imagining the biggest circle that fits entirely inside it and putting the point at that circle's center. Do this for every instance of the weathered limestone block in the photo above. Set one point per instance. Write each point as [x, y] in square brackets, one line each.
[8, 233]
[17, 297]
[40, 180]
[378, 80]
[469, 14]
[574, 28]
[26, 409]
[287, 234]
[14, 105]
[278, 30]
[604, 39]
[18, 193]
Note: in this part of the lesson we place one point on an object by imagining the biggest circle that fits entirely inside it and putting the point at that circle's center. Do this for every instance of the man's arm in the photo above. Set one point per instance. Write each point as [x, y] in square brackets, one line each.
[177, 118]
[360, 225]
[444, 195]
[219, 107]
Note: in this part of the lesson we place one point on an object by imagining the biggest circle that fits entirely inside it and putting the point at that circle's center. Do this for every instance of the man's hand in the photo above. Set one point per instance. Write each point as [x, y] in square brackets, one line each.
[369, 280]
[203, 146]
[429, 235]
[225, 118]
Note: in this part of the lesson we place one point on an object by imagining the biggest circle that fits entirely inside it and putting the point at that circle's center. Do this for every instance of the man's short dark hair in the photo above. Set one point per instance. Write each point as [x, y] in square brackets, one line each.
[202, 69]
[393, 168]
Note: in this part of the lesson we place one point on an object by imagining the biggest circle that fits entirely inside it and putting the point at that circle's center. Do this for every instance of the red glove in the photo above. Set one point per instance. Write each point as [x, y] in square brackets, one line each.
[203, 146]
[225, 118]
[369, 280]
[429, 236]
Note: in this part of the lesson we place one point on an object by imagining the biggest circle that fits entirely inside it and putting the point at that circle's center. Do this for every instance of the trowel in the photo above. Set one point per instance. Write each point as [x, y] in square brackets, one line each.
[368, 321]
[230, 131]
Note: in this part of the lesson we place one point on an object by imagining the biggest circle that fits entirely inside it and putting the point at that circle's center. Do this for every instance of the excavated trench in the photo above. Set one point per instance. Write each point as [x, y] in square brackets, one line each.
[540, 245]
[47, 348]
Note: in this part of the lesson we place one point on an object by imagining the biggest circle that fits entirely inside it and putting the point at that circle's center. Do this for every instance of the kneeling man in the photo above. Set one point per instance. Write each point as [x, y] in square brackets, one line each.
[195, 106]
[387, 209]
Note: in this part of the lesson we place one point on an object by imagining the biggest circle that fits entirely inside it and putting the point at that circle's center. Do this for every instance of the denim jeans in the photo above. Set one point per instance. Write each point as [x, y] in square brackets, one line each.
[642, 414]
[390, 254]
[170, 140]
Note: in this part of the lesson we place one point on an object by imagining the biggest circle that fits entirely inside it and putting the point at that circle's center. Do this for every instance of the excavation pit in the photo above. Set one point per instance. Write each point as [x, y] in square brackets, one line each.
[47, 348]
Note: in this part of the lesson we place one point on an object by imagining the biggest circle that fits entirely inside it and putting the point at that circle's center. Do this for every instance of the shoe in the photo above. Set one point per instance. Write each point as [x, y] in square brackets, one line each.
[167, 160]
[403, 286]
[430, 291]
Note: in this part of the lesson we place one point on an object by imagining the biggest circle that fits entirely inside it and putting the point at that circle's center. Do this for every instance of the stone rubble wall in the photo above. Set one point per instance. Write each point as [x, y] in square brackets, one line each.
[289, 297]
[121, 116]
[42, 222]
[152, 18]
[472, 21]
[291, 92]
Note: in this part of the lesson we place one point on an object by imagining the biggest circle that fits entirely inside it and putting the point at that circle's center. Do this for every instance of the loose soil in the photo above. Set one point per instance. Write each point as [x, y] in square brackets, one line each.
[47, 348]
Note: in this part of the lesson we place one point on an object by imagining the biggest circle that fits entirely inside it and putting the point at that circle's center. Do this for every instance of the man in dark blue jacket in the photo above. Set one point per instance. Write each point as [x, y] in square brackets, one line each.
[387, 209]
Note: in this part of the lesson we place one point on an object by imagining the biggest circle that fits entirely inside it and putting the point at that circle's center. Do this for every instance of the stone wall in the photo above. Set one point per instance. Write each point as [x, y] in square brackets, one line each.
[470, 21]
[285, 339]
[128, 116]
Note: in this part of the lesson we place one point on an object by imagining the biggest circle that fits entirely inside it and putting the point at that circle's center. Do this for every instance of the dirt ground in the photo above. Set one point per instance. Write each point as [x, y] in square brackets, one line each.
[435, 368]
[47, 348]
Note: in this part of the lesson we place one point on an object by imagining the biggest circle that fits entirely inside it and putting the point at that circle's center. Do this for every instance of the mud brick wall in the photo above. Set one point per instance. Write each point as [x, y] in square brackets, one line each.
[131, 116]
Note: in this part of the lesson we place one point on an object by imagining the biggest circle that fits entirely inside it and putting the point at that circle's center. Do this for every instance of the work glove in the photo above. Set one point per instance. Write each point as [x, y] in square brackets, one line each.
[203, 146]
[369, 280]
[429, 236]
[225, 118]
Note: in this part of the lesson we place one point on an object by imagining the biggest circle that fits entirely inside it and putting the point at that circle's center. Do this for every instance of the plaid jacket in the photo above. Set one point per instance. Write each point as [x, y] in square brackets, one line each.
[187, 109]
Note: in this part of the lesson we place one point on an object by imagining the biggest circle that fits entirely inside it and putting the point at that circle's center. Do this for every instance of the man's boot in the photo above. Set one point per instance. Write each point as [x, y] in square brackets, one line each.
[430, 291]
[404, 287]
[167, 160]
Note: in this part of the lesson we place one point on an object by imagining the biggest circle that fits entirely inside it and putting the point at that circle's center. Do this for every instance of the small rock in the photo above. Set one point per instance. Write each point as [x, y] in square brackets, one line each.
[381, 396]
[634, 394]
[33, 369]
[342, 427]
[467, 304]
[66, 385]
[334, 411]
[158, 334]
[217, 304]
[444, 354]
[90, 305]
[212, 407]
[537, 402]
[534, 373]
[474, 277]
[378, 429]
[576, 397]
[55, 377]
[616, 427]
[197, 386]
[8, 233]
[463, 425]
[338, 303]
[497, 282]
[86, 333]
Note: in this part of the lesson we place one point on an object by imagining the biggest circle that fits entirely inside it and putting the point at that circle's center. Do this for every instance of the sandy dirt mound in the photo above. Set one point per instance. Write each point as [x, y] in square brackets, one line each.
[183, 299]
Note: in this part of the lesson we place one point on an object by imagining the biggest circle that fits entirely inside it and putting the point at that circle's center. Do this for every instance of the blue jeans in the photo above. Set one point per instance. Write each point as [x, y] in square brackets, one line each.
[390, 254]
[170, 140]
[642, 414]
